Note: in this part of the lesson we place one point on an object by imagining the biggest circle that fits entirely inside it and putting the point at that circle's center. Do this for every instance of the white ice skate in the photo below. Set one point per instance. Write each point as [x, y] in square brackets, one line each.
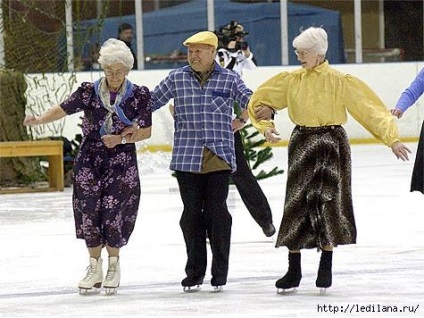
[113, 276]
[93, 278]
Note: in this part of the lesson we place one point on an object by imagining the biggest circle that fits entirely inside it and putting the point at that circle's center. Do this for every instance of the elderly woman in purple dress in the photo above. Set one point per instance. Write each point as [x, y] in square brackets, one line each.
[106, 185]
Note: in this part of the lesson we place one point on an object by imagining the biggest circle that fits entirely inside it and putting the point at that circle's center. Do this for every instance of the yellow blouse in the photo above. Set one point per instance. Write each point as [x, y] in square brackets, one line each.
[320, 97]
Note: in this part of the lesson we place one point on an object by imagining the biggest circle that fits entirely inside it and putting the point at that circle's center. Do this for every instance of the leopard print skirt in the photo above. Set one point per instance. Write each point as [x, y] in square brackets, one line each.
[318, 207]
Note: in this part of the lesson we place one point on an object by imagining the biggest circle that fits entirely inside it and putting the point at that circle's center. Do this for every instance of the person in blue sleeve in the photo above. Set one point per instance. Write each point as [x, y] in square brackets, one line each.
[408, 98]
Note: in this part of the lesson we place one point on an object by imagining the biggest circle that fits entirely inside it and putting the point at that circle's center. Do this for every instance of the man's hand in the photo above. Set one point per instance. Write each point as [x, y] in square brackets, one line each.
[237, 124]
[400, 151]
[171, 109]
[130, 130]
[263, 112]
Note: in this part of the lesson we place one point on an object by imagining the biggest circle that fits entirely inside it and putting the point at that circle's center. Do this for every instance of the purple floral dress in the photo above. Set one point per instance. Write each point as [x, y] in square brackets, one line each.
[106, 186]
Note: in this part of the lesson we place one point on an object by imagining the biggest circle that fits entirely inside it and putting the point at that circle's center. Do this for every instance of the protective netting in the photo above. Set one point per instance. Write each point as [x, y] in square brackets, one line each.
[35, 43]
[34, 33]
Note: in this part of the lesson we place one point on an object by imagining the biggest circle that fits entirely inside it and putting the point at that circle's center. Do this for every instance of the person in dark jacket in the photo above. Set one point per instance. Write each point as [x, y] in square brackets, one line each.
[126, 35]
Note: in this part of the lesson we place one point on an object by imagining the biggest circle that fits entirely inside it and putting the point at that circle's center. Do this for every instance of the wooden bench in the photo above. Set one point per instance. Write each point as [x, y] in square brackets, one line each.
[52, 149]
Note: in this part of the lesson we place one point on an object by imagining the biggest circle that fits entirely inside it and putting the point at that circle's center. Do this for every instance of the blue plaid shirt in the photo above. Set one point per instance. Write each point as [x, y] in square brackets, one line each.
[202, 114]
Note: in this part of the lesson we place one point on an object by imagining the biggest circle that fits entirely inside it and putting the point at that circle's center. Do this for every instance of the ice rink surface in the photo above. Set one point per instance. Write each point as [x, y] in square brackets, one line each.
[381, 276]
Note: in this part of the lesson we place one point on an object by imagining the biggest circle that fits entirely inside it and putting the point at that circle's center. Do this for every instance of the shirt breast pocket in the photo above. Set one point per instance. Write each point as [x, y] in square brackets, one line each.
[220, 102]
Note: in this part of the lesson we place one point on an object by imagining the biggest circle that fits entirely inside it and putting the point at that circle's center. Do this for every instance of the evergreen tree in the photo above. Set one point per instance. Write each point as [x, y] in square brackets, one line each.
[257, 157]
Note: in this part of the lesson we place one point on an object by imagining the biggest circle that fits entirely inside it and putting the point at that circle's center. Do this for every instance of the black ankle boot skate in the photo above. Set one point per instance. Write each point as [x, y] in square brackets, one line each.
[218, 283]
[324, 278]
[192, 283]
[293, 275]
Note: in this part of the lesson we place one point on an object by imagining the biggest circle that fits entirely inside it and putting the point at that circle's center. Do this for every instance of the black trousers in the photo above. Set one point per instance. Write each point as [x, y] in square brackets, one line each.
[248, 187]
[205, 213]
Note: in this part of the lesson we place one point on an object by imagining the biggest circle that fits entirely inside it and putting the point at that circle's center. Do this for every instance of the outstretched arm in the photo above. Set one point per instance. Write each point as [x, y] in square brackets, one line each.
[54, 113]
[400, 151]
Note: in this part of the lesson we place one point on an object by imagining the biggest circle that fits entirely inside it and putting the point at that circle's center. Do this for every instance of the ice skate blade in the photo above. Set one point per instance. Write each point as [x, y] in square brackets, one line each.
[111, 290]
[322, 290]
[217, 289]
[89, 291]
[191, 289]
[282, 291]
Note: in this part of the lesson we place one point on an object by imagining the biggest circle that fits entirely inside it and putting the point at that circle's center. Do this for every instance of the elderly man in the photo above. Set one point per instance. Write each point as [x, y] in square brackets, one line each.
[203, 154]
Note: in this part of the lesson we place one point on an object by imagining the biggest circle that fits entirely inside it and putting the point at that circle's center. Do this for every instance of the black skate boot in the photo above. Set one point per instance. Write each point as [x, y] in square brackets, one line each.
[218, 283]
[324, 278]
[293, 276]
[192, 283]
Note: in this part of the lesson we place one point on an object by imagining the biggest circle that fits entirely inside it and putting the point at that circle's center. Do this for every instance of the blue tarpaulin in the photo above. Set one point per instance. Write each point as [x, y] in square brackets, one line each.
[165, 30]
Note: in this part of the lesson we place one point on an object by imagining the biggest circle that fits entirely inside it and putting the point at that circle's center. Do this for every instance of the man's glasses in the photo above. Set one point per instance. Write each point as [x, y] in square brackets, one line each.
[115, 73]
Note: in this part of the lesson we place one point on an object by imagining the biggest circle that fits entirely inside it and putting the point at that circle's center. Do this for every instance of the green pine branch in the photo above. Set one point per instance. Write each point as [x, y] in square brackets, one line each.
[257, 157]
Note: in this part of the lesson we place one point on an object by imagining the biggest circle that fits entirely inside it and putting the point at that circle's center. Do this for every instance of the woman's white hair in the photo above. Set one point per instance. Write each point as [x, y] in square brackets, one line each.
[115, 51]
[313, 40]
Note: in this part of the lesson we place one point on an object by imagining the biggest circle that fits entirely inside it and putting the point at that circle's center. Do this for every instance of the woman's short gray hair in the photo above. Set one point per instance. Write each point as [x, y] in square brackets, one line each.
[115, 51]
[313, 40]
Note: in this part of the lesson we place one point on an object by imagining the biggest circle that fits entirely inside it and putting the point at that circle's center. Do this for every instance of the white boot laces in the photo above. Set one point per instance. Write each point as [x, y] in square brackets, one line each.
[111, 272]
[90, 273]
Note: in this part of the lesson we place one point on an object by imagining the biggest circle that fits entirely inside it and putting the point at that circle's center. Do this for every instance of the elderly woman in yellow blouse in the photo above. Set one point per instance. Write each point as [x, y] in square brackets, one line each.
[318, 210]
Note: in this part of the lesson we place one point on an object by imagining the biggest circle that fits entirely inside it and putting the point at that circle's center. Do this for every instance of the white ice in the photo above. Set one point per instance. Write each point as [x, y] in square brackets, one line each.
[41, 261]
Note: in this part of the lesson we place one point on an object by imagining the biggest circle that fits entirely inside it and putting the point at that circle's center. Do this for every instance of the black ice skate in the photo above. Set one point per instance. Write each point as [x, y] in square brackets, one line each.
[324, 279]
[218, 284]
[291, 280]
[192, 284]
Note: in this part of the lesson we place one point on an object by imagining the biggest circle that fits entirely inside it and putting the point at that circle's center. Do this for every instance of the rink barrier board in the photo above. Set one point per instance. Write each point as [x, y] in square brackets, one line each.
[52, 149]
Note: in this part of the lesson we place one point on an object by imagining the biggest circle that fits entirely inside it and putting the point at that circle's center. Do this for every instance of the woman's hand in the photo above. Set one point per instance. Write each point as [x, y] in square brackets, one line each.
[30, 120]
[400, 151]
[271, 135]
[52, 114]
[111, 141]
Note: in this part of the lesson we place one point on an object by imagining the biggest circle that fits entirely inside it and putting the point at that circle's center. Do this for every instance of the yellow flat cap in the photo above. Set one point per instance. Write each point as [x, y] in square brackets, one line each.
[204, 37]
